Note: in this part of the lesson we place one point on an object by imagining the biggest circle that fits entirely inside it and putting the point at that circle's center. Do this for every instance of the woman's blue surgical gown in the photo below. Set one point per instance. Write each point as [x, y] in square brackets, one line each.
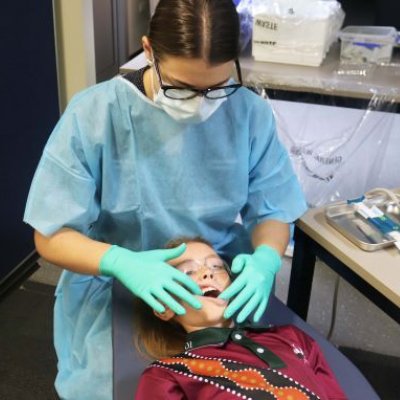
[120, 170]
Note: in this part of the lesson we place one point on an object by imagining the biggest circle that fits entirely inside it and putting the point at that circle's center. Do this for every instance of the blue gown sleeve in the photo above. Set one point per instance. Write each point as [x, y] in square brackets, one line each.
[274, 190]
[63, 192]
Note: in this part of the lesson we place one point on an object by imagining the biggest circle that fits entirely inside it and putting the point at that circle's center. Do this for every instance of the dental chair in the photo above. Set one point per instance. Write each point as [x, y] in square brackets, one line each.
[128, 365]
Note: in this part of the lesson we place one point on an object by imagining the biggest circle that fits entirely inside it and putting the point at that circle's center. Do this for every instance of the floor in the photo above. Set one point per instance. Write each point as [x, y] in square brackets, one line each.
[28, 362]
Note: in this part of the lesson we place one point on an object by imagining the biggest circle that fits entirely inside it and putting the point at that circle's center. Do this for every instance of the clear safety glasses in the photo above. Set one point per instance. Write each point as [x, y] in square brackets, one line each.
[213, 263]
[214, 93]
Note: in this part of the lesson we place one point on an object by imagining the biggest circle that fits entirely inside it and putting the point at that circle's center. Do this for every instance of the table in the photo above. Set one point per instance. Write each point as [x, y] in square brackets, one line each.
[331, 78]
[375, 274]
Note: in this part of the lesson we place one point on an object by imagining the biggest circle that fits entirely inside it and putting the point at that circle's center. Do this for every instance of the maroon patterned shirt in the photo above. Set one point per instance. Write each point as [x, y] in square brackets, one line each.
[243, 363]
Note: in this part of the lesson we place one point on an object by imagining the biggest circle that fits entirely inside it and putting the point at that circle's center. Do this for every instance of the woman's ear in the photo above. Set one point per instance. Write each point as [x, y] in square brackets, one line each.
[166, 315]
[147, 49]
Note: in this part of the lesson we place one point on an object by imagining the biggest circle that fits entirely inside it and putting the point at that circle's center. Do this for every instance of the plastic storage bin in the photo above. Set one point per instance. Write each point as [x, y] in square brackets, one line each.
[367, 44]
[294, 31]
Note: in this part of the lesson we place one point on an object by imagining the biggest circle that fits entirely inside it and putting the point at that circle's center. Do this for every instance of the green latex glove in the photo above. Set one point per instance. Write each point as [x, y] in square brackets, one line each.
[253, 285]
[148, 276]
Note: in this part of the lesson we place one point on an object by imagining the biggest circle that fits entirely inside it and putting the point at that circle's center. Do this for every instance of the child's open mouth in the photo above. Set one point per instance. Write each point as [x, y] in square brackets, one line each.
[211, 292]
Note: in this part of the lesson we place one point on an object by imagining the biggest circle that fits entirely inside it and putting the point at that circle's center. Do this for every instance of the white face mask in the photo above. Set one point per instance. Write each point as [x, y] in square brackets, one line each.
[193, 110]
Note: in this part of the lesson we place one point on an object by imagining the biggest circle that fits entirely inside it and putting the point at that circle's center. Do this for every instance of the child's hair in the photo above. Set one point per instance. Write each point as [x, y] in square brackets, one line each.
[153, 337]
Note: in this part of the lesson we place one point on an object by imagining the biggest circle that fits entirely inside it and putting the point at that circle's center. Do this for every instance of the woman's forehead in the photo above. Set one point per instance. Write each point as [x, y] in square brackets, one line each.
[195, 72]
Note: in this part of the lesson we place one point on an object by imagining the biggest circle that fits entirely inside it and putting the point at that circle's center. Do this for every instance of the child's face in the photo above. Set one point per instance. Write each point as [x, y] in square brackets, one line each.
[208, 270]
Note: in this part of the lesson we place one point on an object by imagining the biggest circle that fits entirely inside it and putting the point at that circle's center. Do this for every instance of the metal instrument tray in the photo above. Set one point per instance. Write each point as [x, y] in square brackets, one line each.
[343, 217]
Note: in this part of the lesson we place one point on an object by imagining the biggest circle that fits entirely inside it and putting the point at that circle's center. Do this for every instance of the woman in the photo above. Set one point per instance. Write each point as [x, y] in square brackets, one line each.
[178, 148]
[201, 355]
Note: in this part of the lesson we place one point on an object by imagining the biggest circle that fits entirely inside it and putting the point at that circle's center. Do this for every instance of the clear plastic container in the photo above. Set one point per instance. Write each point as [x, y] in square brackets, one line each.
[367, 44]
[294, 31]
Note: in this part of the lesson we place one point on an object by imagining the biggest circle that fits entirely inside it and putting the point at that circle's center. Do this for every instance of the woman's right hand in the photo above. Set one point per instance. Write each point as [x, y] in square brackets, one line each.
[148, 276]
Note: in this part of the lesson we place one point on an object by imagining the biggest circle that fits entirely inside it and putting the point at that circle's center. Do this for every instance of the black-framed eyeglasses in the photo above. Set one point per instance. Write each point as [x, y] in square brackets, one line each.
[213, 93]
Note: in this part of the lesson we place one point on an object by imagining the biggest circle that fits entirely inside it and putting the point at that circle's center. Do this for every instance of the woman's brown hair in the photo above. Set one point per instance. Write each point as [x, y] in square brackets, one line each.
[207, 29]
[153, 337]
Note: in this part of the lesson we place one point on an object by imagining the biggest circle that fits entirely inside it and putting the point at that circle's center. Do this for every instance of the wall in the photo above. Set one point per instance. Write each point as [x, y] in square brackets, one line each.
[28, 112]
[75, 47]
[153, 5]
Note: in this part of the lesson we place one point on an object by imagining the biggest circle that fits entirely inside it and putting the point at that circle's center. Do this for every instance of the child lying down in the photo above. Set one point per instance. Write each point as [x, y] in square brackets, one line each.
[201, 355]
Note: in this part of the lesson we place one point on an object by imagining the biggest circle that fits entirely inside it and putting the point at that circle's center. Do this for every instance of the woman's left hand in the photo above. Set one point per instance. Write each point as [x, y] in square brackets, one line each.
[253, 285]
